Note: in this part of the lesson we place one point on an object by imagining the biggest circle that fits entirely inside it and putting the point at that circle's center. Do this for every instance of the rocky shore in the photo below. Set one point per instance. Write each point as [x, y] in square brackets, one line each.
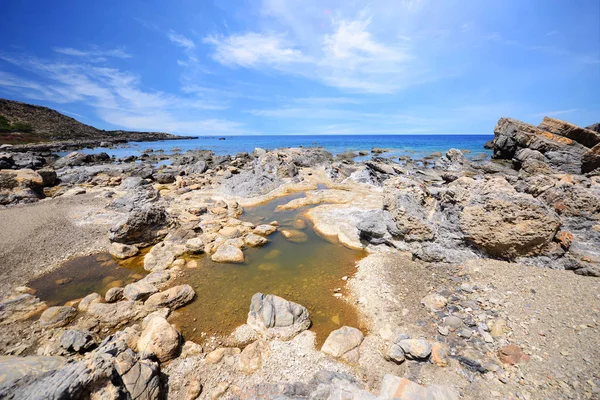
[480, 278]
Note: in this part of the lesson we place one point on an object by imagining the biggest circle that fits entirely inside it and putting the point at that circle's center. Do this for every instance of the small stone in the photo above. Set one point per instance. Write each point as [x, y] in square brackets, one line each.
[342, 342]
[512, 354]
[88, 300]
[254, 240]
[192, 264]
[439, 354]
[190, 349]
[443, 330]
[434, 302]
[452, 322]
[113, 294]
[294, 235]
[251, 359]
[173, 298]
[230, 232]
[194, 246]
[415, 349]
[466, 287]
[265, 230]
[139, 290]
[76, 340]
[465, 333]
[122, 251]
[219, 390]
[228, 254]
[215, 356]
[55, 317]
[396, 354]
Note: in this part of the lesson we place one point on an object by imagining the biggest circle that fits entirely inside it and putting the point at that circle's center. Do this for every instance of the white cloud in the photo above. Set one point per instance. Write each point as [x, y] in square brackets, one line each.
[254, 49]
[555, 113]
[94, 54]
[181, 40]
[117, 97]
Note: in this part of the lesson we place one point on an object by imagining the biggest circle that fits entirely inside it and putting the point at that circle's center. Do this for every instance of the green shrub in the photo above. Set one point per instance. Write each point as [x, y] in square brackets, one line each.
[6, 126]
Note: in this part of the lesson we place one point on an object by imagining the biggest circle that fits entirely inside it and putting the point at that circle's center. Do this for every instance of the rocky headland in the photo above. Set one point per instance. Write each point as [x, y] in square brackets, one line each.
[476, 278]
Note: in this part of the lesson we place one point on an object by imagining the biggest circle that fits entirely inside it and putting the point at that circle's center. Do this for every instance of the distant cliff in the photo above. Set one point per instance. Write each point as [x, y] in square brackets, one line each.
[22, 123]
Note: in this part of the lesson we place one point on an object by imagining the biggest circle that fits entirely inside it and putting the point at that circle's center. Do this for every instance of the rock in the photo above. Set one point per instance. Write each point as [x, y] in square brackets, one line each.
[219, 390]
[564, 238]
[190, 349]
[77, 340]
[157, 278]
[228, 254]
[88, 300]
[393, 387]
[59, 316]
[122, 251]
[23, 185]
[434, 302]
[497, 327]
[113, 314]
[165, 178]
[146, 225]
[507, 224]
[20, 308]
[294, 235]
[141, 378]
[415, 349]
[215, 356]
[591, 159]
[162, 255]
[48, 175]
[409, 204]
[586, 137]
[159, 338]
[440, 354]
[194, 246]
[253, 356]
[452, 322]
[273, 316]
[230, 232]
[396, 354]
[113, 294]
[265, 229]
[343, 343]
[73, 159]
[13, 368]
[172, 298]
[139, 290]
[512, 354]
[254, 240]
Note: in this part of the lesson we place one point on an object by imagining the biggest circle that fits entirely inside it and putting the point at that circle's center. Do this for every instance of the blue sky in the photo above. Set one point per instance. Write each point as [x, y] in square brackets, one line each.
[228, 67]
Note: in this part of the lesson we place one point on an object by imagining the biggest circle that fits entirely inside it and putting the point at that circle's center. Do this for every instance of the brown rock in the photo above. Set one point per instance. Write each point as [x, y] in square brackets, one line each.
[564, 238]
[591, 159]
[512, 354]
[253, 356]
[586, 137]
[439, 354]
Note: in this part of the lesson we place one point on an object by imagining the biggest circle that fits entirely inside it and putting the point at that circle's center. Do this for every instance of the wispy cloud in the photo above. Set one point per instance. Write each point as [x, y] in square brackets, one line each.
[117, 97]
[555, 113]
[94, 54]
[181, 40]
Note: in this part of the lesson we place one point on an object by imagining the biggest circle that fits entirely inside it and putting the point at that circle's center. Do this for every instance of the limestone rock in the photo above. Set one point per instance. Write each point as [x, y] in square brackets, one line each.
[265, 229]
[190, 349]
[122, 251]
[294, 235]
[585, 136]
[194, 246]
[415, 349]
[59, 316]
[253, 356]
[145, 225]
[215, 356]
[139, 290]
[88, 300]
[23, 185]
[254, 240]
[77, 340]
[162, 255]
[113, 314]
[393, 387]
[273, 316]
[20, 308]
[141, 378]
[434, 302]
[343, 343]
[113, 294]
[172, 298]
[159, 338]
[591, 159]
[228, 254]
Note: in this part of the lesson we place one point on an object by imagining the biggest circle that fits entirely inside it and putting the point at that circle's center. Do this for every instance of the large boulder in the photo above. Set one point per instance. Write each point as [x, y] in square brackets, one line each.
[227, 253]
[58, 316]
[504, 223]
[23, 185]
[146, 225]
[273, 316]
[159, 338]
[586, 137]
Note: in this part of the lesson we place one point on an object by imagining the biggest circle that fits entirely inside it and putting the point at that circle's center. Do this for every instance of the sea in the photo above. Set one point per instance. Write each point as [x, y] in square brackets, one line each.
[414, 146]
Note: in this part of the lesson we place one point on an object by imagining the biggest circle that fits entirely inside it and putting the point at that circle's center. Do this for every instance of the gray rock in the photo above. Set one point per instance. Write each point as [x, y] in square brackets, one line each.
[273, 316]
[123, 251]
[113, 294]
[139, 290]
[159, 338]
[343, 343]
[415, 349]
[77, 340]
[172, 298]
[146, 225]
[59, 316]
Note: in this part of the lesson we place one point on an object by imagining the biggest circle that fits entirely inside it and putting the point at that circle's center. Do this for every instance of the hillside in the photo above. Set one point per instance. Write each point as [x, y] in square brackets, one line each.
[22, 123]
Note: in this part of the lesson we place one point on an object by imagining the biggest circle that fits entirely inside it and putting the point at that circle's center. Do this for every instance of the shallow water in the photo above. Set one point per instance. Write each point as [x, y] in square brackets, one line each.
[307, 273]
[80, 276]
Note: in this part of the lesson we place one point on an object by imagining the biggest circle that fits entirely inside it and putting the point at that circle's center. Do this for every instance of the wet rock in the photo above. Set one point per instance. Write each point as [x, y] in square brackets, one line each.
[123, 251]
[139, 290]
[273, 316]
[294, 235]
[113, 294]
[159, 338]
[265, 229]
[145, 225]
[253, 356]
[227, 253]
[254, 240]
[55, 317]
[194, 246]
[343, 343]
[77, 340]
[88, 300]
[172, 298]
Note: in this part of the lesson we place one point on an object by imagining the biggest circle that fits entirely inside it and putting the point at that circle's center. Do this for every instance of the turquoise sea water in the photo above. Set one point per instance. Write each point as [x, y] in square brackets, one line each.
[415, 146]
